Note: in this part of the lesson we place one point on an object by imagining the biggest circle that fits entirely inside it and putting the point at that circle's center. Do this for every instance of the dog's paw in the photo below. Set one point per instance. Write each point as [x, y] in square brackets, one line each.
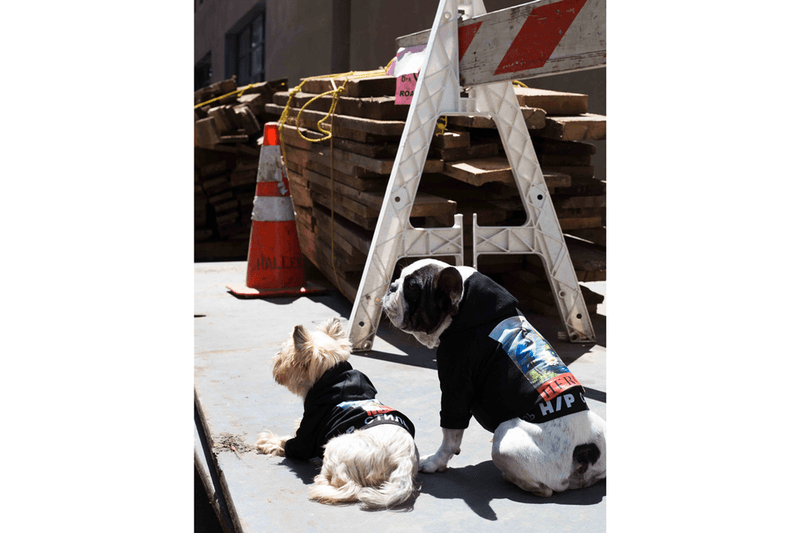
[270, 444]
[432, 463]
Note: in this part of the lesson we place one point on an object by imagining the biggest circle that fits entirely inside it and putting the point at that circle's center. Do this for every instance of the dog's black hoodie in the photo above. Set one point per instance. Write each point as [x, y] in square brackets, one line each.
[478, 377]
[341, 401]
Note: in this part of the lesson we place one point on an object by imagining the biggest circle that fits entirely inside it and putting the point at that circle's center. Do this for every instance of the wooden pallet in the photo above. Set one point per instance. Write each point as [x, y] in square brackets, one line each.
[466, 166]
[338, 185]
[227, 133]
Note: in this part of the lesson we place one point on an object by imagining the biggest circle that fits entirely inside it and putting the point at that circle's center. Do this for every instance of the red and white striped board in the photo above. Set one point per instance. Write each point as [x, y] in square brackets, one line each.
[536, 39]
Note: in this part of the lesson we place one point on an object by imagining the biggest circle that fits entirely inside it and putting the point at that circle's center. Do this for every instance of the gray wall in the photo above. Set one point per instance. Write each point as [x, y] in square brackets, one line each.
[374, 26]
[212, 20]
[299, 36]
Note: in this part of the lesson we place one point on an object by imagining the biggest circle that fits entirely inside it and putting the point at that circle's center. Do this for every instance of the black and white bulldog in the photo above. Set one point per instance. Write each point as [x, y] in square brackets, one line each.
[494, 366]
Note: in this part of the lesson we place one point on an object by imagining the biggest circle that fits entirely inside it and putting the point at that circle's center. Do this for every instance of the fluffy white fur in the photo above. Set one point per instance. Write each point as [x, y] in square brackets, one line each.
[535, 457]
[376, 466]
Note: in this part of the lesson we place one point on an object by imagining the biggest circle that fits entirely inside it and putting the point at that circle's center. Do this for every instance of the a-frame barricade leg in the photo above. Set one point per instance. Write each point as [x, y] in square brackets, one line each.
[541, 234]
[438, 93]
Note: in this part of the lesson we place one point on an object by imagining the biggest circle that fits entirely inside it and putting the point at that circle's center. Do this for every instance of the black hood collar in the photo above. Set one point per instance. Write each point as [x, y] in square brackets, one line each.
[483, 301]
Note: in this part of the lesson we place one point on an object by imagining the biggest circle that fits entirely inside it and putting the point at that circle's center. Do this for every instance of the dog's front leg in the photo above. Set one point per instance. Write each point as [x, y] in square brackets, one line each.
[451, 445]
[270, 444]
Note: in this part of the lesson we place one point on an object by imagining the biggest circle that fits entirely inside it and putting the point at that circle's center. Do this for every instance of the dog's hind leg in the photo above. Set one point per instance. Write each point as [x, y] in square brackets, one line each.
[538, 489]
[584, 472]
[589, 457]
[521, 451]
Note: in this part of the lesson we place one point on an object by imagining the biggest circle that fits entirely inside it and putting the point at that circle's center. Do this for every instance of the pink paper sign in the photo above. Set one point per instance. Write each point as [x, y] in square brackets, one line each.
[404, 91]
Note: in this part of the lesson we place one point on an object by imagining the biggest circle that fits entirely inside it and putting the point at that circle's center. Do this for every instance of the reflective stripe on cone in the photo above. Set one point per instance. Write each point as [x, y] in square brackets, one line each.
[274, 259]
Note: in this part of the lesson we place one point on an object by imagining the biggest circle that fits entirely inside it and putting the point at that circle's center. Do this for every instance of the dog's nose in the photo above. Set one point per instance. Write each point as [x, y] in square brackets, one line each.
[392, 287]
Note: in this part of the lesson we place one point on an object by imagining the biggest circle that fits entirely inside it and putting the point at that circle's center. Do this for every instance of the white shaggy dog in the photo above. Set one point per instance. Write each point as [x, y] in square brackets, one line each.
[368, 451]
[494, 366]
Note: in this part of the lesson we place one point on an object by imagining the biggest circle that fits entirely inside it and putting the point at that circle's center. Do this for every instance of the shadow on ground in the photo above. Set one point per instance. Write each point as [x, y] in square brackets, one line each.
[304, 470]
[478, 485]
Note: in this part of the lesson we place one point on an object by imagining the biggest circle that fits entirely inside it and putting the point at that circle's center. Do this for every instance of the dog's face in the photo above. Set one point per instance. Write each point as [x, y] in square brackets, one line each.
[306, 355]
[424, 299]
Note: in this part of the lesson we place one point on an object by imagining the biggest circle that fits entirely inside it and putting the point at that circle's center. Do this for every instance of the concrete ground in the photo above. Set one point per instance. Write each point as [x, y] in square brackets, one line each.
[237, 398]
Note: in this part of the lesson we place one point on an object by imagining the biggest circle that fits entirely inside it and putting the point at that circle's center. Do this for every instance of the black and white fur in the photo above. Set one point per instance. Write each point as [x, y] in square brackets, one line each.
[565, 453]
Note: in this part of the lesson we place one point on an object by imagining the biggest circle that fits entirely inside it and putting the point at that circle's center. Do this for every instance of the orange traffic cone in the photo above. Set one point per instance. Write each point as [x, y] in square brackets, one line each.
[274, 260]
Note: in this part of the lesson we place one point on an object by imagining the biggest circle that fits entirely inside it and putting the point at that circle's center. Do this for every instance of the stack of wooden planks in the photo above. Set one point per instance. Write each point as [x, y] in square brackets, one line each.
[338, 184]
[227, 130]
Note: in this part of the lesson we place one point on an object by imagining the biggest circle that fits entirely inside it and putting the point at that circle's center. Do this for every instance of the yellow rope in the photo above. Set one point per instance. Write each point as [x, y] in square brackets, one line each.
[333, 239]
[327, 134]
[519, 83]
[236, 92]
[335, 92]
[441, 124]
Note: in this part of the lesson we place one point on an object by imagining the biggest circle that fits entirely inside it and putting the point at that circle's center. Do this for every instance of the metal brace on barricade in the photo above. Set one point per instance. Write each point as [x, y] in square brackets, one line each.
[438, 92]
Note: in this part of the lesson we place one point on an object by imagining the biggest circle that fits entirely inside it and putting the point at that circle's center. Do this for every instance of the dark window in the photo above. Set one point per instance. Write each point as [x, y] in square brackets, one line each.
[250, 51]
[202, 72]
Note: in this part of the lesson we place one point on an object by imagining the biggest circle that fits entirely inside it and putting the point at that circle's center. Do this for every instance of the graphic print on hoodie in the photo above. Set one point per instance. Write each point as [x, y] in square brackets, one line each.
[341, 401]
[496, 379]
[542, 367]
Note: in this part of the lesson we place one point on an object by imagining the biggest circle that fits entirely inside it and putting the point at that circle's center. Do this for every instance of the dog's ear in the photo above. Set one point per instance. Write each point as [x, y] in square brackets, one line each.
[449, 289]
[301, 337]
[333, 328]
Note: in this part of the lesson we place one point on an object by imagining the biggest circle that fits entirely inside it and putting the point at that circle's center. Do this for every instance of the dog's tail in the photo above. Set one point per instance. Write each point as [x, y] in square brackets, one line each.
[401, 485]
[584, 456]
[584, 471]
[380, 475]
